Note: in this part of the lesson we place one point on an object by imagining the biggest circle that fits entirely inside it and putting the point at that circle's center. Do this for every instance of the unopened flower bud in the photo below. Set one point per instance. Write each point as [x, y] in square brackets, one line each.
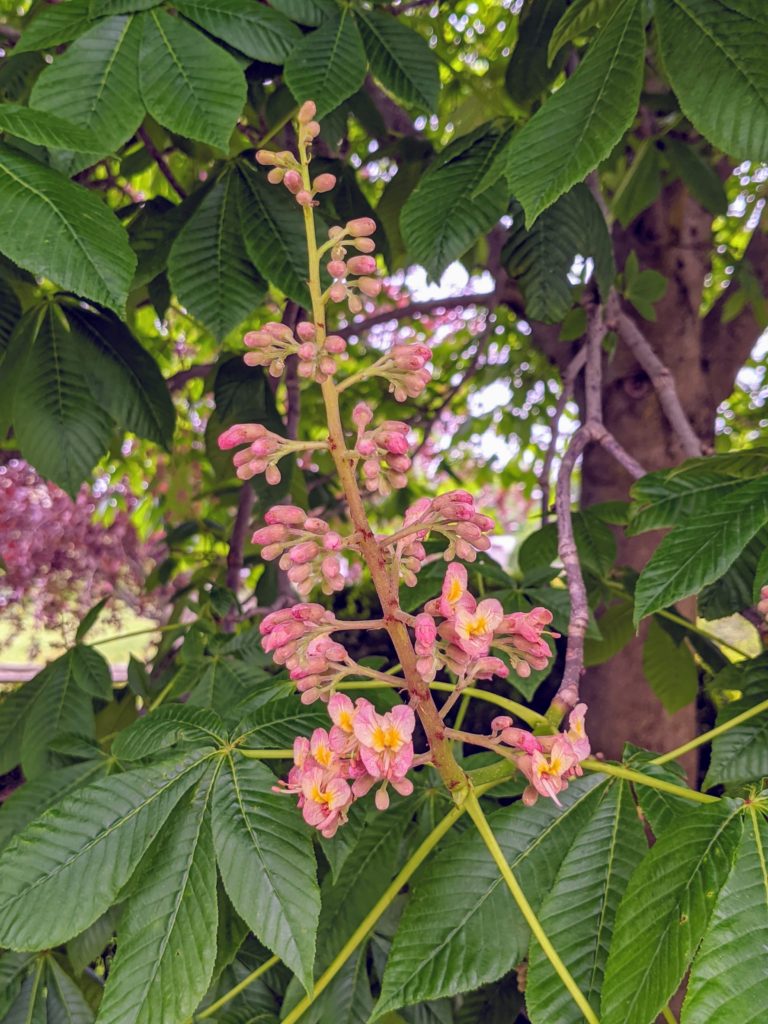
[324, 182]
[354, 303]
[335, 344]
[306, 331]
[337, 292]
[276, 175]
[337, 268]
[307, 112]
[304, 198]
[361, 226]
[369, 286]
[292, 181]
[361, 265]
[362, 415]
[266, 157]
[312, 129]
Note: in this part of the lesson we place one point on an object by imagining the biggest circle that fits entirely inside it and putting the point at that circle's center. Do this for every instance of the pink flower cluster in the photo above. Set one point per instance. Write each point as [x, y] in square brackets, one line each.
[341, 268]
[383, 449]
[455, 517]
[470, 629]
[264, 451]
[285, 167]
[299, 638]
[548, 762]
[307, 547]
[273, 343]
[362, 749]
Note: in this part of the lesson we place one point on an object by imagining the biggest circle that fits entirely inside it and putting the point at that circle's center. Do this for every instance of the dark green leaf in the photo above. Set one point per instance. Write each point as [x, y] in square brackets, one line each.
[400, 59]
[278, 722]
[640, 185]
[306, 12]
[90, 617]
[669, 668]
[741, 754]
[166, 727]
[328, 66]
[42, 128]
[529, 71]
[91, 672]
[61, 706]
[579, 17]
[700, 177]
[55, 23]
[249, 26]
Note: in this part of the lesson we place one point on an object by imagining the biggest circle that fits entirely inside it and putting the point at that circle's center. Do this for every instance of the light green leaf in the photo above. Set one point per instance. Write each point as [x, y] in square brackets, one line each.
[47, 872]
[273, 234]
[166, 727]
[188, 83]
[328, 66]
[529, 71]
[728, 104]
[66, 1002]
[579, 910]
[665, 912]
[251, 27]
[440, 219]
[580, 124]
[267, 863]
[669, 668]
[728, 980]
[442, 944]
[209, 267]
[702, 548]
[400, 59]
[61, 706]
[616, 629]
[55, 23]
[52, 227]
[278, 722]
[91, 672]
[579, 17]
[741, 754]
[90, 944]
[95, 84]
[42, 128]
[166, 941]
[58, 426]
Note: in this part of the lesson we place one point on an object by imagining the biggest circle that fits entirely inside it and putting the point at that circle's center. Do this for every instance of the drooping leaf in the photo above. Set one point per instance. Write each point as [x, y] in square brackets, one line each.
[267, 863]
[640, 185]
[47, 872]
[728, 980]
[61, 706]
[251, 27]
[579, 910]
[665, 912]
[579, 17]
[42, 128]
[305, 12]
[166, 942]
[55, 23]
[702, 548]
[328, 66]
[277, 722]
[188, 83]
[57, 229]
[669, 668]
[209, 268]
[729, 104]
[166, 727]
[95, 84]
[91, 672]
[616, 630]
[741, 754]
[700, 177]
[529, 71]
[580, 124]
[400, 59]
[734, 591]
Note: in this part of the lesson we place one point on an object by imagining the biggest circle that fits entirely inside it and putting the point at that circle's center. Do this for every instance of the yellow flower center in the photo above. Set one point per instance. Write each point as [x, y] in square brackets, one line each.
[345, 721]
[319, 797]
[323, 755]
[386, 738]
[454, 591]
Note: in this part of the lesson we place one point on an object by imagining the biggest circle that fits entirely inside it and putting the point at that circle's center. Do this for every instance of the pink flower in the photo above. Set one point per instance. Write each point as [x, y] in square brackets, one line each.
[474, 629]
[521, 637]
[454, 594]
[549, 775]
[427, 662]
[326, 799]
[386, 750]
[577, 734]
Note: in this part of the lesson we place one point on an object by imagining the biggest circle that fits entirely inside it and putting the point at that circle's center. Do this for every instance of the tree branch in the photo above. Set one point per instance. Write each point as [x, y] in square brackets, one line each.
[161, 162]
[572, 371]
[414, 309]
[177, 380]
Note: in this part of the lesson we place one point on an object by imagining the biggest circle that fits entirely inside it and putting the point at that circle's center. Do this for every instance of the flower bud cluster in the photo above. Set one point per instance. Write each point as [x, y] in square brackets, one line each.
[355, 234]
[363, 749]
[548, 762]
[286, 169]
[384, 451]
[454, 516]
[299, 638]
[273, 343]
[307, 547]
[264, 451]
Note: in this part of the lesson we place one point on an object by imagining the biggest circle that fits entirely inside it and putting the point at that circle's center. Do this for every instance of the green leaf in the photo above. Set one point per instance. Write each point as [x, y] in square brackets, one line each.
[441, 219]
[166, 727]
[733, 592]
[58, 426]
[579, 910]
[14, 708]
[166, 941]
[249, 26]
[267, 863]
[208, 265]
[595, 543]
[306, 12]
[580, 16]
[728, 104]
[665, 912]
[741, 754]
[640, 185]
[47, 872]
[188, 83]
[668, 497]
[529, 71]
[542, 258]
[55, 23]
[661, 810]
[669, 668]
[90, 944]
[616, 630]
[91, 672]
[273, 234]
[66, 1002]
[441, 946]
[10, 311]
[278, 722]
[702, 548]
[123, 376]
[580, 124]
[61, 706]
[42, 128]
[54, 228]
[95, 84]
[328, 65]
[728, 980]
[101, 7]
[153, 230]
[701, 178]
[400, 59]
[90, 618]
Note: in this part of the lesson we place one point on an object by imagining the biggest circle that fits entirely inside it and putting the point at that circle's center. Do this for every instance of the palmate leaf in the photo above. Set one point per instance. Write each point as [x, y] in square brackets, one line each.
[447, 940]
[328, 66]
[208, 267]
[580, 124]
[166, 727]
[728, 105]
[529, 71]
[669, 668]
[55, 23]
[278, 722]
[188, 83]
[702, 548]
[166, 940]
[95, 84]
[42, 128]
[728, 980]
[57, 229]
[580, 16]
[666, 910]
[267, 863]
[47, 890]
[580, 909]
[14, 708]
[400, 59]
[60, 430]
[666, 497]
[251, 27]
[741, 754]
[48, 996]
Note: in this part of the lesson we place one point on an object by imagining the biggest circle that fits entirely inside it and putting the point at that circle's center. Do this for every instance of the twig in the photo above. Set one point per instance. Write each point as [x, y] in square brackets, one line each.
[413, 309]
[572, 371]
[177, 380]
[235, 560]
[161, 162]
[663, 383]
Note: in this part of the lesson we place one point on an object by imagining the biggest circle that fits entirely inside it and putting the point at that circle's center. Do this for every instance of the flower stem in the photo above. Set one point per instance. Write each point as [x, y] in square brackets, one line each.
[668, 1016]
[138, 632]
[712, 734]
[647, 780]
[238, 988]
[477, 815]
[264, 755]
